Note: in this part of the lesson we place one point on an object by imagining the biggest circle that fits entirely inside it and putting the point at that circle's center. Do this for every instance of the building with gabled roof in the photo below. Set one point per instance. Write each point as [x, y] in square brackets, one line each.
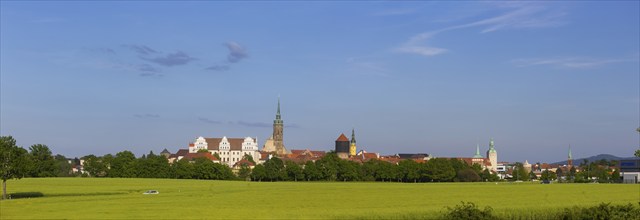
[165, 153]
[342, 146]
[230, 150]
[244, 162]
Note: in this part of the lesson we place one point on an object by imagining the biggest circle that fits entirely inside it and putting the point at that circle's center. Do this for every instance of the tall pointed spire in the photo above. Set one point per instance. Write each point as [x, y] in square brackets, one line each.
[352, 146]
[353, 135]
[477, 152]
[278, 113]
[570, 159]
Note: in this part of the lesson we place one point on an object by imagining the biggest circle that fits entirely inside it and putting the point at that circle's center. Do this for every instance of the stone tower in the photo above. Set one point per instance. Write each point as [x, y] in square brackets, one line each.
[277, 133]
[492, 155]
[342, 147]
[352, 147]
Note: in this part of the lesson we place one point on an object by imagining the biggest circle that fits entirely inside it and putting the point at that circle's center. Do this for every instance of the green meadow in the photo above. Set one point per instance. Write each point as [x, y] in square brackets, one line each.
[107, 198]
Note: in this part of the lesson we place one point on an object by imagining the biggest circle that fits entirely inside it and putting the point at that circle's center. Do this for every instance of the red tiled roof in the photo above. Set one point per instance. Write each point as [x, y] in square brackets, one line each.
[369, 155]
[191, 156]
[180, 153]
[244, 161]
[296, 153]
[264, 155]
[342, 138]
[393, 160]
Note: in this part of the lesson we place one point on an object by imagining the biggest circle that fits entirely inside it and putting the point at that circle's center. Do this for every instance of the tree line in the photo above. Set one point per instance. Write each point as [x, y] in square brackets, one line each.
[38, 161]
[332, 168]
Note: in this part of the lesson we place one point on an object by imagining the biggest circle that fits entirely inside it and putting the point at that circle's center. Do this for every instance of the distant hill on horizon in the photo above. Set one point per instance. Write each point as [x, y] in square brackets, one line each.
[595, 158]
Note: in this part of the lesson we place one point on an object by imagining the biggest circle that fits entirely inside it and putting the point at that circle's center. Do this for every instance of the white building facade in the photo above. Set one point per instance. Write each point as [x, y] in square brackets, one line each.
[229, 150]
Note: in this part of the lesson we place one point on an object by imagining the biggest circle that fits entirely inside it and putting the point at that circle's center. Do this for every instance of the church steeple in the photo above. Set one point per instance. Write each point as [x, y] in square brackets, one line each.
[352, 146]
[278, 133]
[491, 146]
[278, 117]
[492, 155]
[477, 152]
[353, 135]
[570, 158]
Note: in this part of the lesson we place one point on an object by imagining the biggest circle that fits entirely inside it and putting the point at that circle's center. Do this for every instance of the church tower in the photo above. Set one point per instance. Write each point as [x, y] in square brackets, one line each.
[478, 155]
[352, 147]
[570, 159]
[492, 155]
[277, 133]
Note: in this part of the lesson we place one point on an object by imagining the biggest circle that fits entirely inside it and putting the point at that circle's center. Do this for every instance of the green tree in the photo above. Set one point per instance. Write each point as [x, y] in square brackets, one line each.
[485, 175]
[347, 170]
[615, 176]
[548, 175]
[637, 154]
[559, 173]
[467, 175]
[572, 173]
[519, 173]
[14, 162]
[369, 169]
[259, 173]
[410, 170]
[62, 166]
[223, 172]
[275, 169]
[43, 164]
[152, 166]
[328, 166]
[458, 165]
[204, 169]
[439, 170]
[311, 171]
[95, 166]
[244, 172]
[532, 175]
[183, 169]
[123, 165]
[385, 171]
[294, 171]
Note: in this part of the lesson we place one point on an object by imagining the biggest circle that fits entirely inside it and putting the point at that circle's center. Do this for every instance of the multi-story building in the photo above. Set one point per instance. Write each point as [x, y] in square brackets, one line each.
[229, 150]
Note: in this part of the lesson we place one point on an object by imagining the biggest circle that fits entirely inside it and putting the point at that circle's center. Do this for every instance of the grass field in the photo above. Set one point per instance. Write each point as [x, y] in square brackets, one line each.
[95, 198]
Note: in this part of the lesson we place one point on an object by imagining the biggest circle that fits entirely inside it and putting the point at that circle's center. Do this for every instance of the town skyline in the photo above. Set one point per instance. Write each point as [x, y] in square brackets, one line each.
[410, 77]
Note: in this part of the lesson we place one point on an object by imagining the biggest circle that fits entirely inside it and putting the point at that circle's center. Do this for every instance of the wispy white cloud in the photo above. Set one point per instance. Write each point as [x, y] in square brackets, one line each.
[571, 62]
[367, 67]
[518, 16]
[417, 45]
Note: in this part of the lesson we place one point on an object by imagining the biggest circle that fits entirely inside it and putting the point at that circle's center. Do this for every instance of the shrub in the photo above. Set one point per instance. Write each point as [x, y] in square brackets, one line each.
[21, 195]
[604, 211]
[469, 211]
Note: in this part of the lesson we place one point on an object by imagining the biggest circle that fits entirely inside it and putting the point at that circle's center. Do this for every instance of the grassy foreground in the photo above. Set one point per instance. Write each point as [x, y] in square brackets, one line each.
[95, 198]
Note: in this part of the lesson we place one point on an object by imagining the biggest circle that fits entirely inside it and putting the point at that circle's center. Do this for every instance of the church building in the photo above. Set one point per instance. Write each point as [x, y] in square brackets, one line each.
[346, 148]
[275, 142]
[492, 155]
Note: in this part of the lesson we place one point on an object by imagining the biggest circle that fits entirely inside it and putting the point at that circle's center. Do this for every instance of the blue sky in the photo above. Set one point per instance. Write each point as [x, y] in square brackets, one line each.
[433, 77]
